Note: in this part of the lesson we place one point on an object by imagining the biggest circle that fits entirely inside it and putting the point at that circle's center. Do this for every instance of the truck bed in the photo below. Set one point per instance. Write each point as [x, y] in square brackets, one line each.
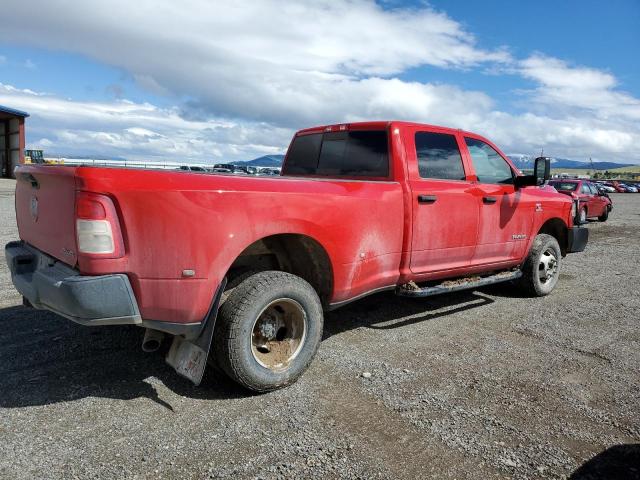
[174, 221]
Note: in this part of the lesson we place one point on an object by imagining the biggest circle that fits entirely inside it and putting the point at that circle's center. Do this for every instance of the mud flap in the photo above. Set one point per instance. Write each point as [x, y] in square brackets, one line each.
[189, 356]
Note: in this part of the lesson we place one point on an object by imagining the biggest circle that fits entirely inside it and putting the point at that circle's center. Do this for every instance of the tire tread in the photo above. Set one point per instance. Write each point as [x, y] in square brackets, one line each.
[228, 335]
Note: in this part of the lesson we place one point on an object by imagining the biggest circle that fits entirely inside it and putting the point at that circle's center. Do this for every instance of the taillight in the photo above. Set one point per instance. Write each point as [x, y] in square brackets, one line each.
[97, 227]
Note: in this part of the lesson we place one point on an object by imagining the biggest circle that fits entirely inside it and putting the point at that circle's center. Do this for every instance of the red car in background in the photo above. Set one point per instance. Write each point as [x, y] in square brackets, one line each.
[590, 202]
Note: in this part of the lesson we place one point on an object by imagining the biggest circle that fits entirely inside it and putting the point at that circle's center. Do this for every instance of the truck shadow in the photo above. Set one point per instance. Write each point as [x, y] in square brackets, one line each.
[386, 311]
[46, 359]
[619, 461]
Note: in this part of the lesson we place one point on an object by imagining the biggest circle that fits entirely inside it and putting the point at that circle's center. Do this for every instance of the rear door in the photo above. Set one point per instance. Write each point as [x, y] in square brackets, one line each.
[445, 211]
[505, 214]
[597, 202]
[45, 209]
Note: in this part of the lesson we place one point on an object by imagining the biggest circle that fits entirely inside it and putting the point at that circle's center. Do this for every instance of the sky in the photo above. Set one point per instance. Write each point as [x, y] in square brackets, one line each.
[213, 81]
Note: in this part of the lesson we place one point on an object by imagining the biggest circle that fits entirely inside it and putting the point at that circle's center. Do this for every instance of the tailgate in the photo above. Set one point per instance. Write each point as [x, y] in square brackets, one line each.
[45, 209]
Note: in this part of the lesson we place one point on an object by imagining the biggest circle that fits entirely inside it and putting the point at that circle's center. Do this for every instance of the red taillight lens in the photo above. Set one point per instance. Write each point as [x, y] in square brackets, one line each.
[89, 209]
[98, 231]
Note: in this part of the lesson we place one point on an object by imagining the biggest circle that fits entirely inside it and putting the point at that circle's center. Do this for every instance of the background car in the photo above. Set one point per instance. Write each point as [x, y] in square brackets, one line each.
[591, 203]
[605, 188]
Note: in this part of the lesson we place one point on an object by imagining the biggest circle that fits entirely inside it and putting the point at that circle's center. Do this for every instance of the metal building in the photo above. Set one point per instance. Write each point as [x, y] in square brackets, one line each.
[12, 140]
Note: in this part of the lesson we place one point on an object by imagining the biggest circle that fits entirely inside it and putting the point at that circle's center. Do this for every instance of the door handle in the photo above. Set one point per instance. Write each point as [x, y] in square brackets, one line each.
[489, 200]
[427, 199]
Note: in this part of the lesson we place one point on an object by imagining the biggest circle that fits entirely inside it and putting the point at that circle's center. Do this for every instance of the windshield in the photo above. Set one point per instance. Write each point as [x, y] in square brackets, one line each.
[564, 186]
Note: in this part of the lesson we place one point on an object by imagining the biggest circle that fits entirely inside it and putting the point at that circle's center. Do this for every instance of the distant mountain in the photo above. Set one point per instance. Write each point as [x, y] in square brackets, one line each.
[526, 162]
[264, 161]
[523, 162]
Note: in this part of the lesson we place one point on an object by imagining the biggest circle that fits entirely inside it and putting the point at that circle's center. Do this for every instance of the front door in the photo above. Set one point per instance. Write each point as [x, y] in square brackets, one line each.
[506, 214]
[445, 211]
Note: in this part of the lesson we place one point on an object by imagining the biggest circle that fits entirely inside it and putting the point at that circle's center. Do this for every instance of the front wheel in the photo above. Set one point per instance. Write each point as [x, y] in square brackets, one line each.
[541, 270]
[268, 330]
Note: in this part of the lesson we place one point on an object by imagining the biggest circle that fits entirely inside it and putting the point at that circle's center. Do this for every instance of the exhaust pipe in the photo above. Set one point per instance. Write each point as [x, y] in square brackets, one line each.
[152, 340]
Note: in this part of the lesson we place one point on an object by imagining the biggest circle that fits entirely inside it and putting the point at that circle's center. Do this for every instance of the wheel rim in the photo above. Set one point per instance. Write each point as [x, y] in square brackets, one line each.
[548, 266]
[278, 334]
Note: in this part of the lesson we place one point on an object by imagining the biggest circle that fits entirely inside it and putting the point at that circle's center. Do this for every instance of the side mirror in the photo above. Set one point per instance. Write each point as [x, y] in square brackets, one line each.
[541, 173]
[542, 170]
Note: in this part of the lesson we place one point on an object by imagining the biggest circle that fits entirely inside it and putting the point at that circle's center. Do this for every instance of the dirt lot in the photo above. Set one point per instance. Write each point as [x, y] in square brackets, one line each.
[474, 385]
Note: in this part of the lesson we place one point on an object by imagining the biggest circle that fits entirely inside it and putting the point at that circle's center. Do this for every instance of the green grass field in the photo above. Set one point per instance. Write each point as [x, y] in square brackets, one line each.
[588, 171]
[629, 169]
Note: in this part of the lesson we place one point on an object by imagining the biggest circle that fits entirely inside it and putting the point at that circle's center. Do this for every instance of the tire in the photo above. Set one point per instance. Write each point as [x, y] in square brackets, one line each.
[582, 217]
[268, 330]
[534, 282]
[212, 361]
[605, 215]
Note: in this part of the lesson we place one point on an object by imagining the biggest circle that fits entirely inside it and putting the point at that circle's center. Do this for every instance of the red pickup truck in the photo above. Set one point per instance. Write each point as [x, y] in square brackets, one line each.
[245, 266]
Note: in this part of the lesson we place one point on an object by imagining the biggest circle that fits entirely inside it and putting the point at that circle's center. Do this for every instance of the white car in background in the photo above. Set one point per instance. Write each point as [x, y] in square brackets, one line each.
[606, 188]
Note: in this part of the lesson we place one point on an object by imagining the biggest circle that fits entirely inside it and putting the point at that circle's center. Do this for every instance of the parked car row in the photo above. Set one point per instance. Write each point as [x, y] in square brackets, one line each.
[230, 168]
[619, 187]
[590, 200]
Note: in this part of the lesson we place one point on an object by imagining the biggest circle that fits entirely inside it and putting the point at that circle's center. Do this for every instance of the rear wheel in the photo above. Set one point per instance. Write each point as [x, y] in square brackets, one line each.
[541, 270]
[605, 215]
[268, 330]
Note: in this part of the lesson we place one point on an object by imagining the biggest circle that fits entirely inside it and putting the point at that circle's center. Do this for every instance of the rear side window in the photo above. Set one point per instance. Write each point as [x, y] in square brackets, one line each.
[359, 153]
[302, 157]
[565, 186]
[490, 166]
[438, 156]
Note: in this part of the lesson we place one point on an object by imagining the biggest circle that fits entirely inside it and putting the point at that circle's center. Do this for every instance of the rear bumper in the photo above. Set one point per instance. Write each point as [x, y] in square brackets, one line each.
[578, 238]
[51, 285]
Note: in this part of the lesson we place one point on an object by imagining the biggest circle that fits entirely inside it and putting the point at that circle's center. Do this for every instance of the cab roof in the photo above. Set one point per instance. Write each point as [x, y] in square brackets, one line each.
[374, 125]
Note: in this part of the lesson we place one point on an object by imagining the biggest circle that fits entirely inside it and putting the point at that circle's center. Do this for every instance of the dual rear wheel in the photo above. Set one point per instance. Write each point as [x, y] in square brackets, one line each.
[268, 330]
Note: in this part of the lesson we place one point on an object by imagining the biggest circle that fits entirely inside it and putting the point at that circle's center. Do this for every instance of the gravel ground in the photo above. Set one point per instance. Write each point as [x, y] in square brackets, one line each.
[481, 384]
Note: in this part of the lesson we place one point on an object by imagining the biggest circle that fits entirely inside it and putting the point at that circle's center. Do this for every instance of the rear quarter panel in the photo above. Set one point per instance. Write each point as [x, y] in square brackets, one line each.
[174, 221]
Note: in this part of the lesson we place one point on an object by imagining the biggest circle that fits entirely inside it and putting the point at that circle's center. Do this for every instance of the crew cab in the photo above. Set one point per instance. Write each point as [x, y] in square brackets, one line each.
[591, 203]
[245, 266]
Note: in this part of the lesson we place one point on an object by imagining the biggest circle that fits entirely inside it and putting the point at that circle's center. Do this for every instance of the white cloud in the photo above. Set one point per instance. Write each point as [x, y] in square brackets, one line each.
[266, 60]
[138, 131]
[562, 87]
[275, 66]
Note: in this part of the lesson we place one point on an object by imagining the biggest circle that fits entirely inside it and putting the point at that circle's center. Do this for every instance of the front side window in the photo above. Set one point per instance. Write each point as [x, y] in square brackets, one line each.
[358, 153]
[438, 156]
[490, 166]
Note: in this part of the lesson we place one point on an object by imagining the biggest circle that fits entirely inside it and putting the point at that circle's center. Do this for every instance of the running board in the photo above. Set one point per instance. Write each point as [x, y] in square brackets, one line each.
[412, 290]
